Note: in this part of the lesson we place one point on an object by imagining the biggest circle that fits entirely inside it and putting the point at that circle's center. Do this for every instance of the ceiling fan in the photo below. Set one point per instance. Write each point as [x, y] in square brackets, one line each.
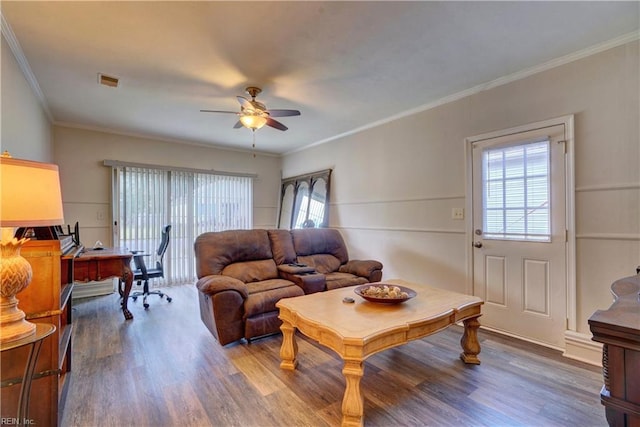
[254, 115]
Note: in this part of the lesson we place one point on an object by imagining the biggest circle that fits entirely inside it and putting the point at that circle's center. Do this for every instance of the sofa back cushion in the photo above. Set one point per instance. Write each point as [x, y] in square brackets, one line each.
[282, 246]
[252, 271]
[243, 254]
[322, 248]
[322, 263]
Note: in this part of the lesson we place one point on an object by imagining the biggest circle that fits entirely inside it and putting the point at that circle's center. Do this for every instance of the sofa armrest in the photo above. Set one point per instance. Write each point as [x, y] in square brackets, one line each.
[213, 284]
[221, 300]
[310, 282]
[370, 269]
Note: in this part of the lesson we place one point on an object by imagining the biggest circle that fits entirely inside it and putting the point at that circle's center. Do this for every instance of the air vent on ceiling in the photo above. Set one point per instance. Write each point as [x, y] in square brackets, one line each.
[105, 80]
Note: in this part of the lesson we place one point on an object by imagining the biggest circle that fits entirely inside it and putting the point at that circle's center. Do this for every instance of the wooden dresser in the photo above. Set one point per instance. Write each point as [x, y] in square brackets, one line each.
[618, 328]
[46, 300]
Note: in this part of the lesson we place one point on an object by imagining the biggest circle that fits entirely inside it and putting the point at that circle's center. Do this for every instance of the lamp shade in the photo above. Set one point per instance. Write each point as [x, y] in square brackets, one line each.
[253, 121]
[30, 195]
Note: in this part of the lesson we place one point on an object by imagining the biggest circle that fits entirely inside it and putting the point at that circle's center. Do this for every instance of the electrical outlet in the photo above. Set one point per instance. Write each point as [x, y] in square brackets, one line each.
[457, 213]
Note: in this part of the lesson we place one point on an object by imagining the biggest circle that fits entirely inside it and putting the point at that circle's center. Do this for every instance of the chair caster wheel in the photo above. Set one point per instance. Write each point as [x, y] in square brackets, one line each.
[134, 299]
[146, 306]
[168, 299]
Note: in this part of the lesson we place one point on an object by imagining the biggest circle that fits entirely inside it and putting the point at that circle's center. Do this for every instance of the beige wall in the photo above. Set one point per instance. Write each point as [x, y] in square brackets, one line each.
[25, 129]
[393, 186]
[86, 183]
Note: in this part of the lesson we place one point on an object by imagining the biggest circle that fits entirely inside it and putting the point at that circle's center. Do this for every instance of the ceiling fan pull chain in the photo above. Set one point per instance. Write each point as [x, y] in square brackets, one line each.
[253, 146]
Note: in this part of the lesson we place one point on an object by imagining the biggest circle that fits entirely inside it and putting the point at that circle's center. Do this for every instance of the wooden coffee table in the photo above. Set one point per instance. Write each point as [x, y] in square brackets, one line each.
[356, 331]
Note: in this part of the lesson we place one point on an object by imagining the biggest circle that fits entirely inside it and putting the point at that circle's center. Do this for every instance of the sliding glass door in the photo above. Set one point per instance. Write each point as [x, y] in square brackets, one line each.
[146, 199]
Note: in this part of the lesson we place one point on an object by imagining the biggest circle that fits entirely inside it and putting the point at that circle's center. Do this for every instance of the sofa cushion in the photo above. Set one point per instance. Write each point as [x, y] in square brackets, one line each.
[267, 285]
[311, 241]
[252, 271]
[216, 250]
[264, 295]
[282, 246]
[322, 263]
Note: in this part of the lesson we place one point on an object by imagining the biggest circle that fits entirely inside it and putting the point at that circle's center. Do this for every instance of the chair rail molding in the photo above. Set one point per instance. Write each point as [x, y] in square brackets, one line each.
[608, 236]
[609, 187]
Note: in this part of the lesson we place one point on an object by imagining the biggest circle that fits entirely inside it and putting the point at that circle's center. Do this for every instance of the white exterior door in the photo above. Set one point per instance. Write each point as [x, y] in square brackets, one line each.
[519, 232]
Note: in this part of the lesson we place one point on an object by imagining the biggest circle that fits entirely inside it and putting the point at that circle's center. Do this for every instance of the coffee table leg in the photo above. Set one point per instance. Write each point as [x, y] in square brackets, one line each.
[289, 349]
[352, 402]
[469, 341]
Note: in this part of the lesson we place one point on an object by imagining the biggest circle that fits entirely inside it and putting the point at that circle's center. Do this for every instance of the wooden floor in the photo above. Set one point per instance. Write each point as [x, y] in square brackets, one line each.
[163, 368]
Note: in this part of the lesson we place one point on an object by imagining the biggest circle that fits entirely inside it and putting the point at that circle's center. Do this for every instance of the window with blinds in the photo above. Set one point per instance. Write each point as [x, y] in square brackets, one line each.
[515, 183]
[192, 202]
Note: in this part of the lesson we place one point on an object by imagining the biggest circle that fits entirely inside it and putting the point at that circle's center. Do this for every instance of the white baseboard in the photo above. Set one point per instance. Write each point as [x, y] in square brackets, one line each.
[519, 337]
[577, 346]
[94, 289]
[580, 347]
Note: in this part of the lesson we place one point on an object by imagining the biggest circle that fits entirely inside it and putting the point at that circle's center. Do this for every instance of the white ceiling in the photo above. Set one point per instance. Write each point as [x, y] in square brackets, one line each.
[344, 65]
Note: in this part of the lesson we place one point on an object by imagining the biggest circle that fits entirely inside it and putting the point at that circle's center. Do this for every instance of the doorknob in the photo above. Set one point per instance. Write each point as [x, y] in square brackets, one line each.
[477, 244]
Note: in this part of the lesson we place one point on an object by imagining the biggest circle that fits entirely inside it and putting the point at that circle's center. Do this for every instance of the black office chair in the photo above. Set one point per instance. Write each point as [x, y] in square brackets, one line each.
[142, 273]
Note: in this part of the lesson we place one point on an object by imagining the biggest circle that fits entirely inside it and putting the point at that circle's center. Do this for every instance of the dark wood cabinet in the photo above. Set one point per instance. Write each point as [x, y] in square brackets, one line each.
[618, 329]
[46, 300]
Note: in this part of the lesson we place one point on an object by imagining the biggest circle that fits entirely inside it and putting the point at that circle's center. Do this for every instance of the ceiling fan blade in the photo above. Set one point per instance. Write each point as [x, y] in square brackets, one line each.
[283, 113]
[217, 111]
[238, 125]
[276, 124]
[244, 102]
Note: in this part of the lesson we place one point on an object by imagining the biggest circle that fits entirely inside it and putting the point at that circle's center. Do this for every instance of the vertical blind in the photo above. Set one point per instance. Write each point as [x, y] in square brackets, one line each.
[147, 199]
[516, 192]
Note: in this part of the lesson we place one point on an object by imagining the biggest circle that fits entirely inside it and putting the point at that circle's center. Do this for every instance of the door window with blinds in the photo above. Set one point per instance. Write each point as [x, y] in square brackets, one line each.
[146, 199]
[515, 183]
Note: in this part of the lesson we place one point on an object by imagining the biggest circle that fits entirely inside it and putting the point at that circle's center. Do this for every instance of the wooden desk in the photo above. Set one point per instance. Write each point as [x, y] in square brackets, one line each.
[358, 330]
[97, 265]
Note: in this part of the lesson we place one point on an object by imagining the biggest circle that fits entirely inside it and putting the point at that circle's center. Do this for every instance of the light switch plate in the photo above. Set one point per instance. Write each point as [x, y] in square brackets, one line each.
[457, 213]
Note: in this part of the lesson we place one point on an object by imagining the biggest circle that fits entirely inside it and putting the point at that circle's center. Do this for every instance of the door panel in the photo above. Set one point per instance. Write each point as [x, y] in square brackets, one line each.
[519, 222]
[536, 286]
[495, 279]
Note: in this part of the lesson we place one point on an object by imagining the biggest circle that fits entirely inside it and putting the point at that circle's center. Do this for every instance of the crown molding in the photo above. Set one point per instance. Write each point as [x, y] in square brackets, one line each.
[14, 45]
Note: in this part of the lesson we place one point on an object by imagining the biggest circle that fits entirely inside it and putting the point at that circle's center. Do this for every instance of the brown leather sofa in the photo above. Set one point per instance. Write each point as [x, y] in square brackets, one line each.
[242, 274]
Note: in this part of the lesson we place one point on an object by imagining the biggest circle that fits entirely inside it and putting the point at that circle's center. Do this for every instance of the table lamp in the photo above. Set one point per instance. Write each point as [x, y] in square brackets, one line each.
[30, 197]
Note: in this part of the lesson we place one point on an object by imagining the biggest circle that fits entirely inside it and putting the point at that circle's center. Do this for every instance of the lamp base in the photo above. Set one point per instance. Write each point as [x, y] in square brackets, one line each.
[12, 324]
[15, 275]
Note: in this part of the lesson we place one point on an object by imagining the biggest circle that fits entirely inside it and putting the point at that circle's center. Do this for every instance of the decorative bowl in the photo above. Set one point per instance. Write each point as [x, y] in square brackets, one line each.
[361, 291]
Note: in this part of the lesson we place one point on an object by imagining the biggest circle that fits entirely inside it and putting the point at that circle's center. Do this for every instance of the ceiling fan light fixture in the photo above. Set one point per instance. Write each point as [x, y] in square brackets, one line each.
[254, 115]
[253, 121]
